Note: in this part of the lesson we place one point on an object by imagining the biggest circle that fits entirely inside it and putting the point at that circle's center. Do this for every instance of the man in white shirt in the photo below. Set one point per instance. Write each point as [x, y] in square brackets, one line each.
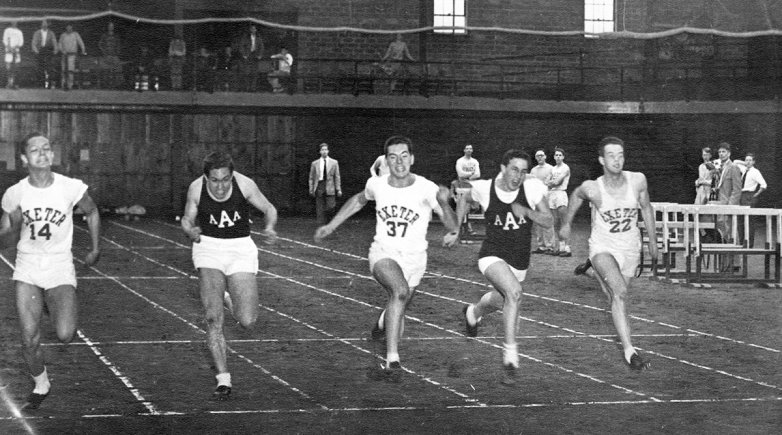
[543, 238]
[752, 185]
[284, 62]
[467, 169]
[13, 40]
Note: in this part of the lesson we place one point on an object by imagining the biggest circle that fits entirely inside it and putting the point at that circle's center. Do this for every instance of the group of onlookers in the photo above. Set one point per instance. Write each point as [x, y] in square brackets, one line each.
[238, 67]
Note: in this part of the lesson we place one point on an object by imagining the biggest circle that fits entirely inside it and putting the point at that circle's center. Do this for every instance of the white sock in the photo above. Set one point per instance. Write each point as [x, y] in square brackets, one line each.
[381, 321]
[223, 379]
[629, 353]
[42, 384]
[471, 315]
[391, 357]
[510, 354]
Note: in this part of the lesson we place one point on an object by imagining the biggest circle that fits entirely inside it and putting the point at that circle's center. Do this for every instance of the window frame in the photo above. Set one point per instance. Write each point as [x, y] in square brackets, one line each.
[590, 24]
[452, 16]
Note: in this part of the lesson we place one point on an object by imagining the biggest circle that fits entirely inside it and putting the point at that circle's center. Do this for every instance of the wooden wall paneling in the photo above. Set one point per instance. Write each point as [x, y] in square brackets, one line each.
[108, 150]
[9, 135]
[244, 157]
[226, 128]
[245, 128]
[205, 128]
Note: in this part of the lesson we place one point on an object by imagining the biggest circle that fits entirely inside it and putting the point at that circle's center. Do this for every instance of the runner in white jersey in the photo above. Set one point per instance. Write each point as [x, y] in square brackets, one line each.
[38, 212]
[404, 203]
[557, 199]
[615, 243]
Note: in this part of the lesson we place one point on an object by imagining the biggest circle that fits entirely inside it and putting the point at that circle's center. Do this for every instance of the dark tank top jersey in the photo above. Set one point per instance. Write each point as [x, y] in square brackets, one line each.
[224, 220]
[507, 236]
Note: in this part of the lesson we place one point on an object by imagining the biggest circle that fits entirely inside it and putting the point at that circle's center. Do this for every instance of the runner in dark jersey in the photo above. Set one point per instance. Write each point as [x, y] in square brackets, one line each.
[512, 201]
[216, 219]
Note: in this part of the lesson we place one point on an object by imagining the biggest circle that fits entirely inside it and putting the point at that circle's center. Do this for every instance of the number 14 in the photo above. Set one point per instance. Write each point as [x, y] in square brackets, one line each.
[43, 232]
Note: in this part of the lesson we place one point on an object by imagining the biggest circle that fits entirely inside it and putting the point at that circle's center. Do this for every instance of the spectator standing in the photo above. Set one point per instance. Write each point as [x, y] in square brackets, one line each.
[226, 67]
[284, 61]
[706, 174]
[543, 236]
[44, 46]
[392, 62]
[753, 184]
[13, 40]
[205, 70]
[251, 52]
[177, 50]
[325, 184]
[729, 187]
[70, 44]
[110, 49]
[467, 169]
[558, 201]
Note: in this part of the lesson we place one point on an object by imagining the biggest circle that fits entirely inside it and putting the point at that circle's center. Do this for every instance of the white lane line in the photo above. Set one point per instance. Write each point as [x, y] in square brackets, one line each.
[449, 331]
[324, 340]
[550, 299]
[682, 361]
[426, 379]
[193, 326]
[114, 369]
[603, 404]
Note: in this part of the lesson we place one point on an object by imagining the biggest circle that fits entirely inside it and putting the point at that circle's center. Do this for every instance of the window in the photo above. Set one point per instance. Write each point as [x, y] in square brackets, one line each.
[598, 16]
[450, 13]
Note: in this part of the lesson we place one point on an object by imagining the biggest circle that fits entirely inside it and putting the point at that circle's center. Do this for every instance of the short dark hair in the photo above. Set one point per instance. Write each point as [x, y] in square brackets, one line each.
[322, 144]
[515, 154]
[750, 155]
[707, 150]
[397, 140]
[609, 140]
[723, 146]
[559, 150]
[217, 160]
[540, 150]
[22, 144]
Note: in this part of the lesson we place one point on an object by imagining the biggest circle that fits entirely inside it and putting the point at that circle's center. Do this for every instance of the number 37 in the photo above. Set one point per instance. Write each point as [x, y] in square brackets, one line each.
[395, 227]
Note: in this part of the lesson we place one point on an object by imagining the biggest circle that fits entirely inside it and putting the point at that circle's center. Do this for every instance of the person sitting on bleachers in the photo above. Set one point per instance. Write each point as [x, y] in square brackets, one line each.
[226, 69]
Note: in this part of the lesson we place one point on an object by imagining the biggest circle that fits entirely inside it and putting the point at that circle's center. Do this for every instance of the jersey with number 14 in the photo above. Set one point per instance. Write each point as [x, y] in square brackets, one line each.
[402, 213]
[47, 213]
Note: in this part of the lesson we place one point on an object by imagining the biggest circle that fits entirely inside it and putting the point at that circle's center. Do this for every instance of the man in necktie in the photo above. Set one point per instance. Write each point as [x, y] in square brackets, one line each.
[325, 184]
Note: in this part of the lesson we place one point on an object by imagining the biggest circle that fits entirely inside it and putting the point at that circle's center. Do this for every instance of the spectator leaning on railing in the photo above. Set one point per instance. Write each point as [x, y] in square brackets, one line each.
[177, 50]
[70, 43]
[284, 63]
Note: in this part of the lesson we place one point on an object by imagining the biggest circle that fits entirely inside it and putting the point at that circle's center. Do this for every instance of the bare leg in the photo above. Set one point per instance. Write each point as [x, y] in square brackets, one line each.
[508, 288]
[243, 289]
[388, 273]
[212, 285]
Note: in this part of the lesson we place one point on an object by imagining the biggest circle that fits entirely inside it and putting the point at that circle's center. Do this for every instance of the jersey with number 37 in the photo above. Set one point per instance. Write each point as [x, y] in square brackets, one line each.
[402, 213]
[47, 213]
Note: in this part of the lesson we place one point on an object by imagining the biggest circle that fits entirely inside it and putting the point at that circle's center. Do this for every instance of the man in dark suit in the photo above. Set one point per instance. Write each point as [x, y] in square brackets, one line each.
[251, 53]
[325, 184]
[729, 187]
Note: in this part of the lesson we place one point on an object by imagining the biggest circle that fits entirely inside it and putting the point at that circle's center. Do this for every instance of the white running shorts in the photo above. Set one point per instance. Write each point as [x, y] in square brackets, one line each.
[229, 256]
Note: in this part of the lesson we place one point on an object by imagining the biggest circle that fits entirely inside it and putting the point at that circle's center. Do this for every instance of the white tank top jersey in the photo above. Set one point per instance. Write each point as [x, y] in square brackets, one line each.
[402, 213]
[534, 189]
[557, 171]
[47, 213]
[616, 221]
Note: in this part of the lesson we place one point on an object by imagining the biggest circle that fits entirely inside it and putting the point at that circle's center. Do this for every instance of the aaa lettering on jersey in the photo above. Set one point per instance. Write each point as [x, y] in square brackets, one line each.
[225, 220]
[399, 212]
[510, 222]
[47, 214]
